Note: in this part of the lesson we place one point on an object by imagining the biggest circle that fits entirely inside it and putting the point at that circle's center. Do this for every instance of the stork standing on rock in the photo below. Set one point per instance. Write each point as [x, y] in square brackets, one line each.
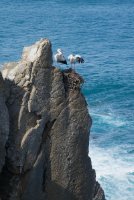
[59, 57]
[75, 59]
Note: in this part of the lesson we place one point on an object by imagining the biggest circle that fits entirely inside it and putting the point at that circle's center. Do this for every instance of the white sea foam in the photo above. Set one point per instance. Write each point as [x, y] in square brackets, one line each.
[114, 172]
[110, 118]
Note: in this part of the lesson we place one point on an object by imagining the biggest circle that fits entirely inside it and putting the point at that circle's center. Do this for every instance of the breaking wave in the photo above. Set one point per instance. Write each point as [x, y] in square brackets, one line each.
[114, 171]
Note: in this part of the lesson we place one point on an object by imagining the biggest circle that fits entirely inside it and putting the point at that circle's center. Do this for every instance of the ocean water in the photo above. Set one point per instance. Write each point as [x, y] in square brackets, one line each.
[103, 32]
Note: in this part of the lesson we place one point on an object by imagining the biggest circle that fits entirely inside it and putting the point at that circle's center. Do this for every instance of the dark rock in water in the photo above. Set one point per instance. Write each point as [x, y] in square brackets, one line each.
[44, 131]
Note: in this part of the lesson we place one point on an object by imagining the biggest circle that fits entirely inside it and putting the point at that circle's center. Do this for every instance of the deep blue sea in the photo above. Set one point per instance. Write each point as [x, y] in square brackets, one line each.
[102, 31]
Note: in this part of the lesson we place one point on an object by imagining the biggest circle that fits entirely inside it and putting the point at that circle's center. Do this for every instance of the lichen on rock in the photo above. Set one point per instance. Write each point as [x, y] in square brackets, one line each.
[46, 131]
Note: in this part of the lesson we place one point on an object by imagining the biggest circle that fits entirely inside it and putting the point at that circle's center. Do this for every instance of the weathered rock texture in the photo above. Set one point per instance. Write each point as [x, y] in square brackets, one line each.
[44, 131]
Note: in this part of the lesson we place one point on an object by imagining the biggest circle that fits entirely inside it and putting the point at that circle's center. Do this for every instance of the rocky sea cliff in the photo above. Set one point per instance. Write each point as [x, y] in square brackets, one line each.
[44, 131]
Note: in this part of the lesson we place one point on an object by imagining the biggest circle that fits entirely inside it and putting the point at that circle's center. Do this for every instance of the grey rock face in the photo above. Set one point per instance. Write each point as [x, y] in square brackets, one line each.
[46, 133]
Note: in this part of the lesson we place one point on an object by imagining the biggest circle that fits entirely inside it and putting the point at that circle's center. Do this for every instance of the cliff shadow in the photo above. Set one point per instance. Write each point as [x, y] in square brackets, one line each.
[10, 176]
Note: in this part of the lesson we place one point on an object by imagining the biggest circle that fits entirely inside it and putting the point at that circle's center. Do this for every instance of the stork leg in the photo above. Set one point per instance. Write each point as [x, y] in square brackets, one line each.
[71, 65]
[59, 66]
[74, 66]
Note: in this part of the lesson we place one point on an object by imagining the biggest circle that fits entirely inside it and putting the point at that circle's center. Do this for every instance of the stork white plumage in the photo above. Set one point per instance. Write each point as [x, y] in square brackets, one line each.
[59, 57]
[75, 59]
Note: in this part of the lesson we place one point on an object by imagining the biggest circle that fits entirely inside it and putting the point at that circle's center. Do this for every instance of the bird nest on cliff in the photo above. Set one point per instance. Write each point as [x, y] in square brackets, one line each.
[72, 80]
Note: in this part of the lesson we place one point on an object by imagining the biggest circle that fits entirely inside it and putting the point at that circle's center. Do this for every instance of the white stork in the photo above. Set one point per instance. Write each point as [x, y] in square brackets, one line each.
[59, 57]
[75, 59]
